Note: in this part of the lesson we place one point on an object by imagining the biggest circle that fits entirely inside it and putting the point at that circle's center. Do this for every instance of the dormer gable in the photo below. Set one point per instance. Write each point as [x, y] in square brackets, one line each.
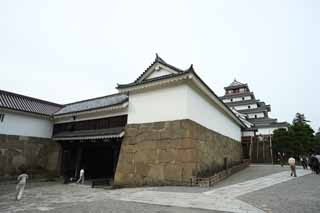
[158, 69]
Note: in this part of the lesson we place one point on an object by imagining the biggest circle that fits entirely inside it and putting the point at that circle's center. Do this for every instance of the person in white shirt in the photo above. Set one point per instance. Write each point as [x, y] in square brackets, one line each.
[22, 181]
[292, 163]
[81, 178]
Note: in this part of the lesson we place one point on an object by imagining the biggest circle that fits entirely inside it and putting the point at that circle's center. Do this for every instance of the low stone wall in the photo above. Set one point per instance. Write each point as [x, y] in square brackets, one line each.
[166, 153]
[40, 156]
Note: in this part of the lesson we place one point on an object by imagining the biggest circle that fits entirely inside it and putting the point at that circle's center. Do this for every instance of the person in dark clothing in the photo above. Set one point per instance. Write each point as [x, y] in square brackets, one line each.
[303, 162]
[315, 164]
[280, 159]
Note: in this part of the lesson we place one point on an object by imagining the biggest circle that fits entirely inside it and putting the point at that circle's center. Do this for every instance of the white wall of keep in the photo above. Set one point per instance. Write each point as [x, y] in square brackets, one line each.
[265, 131]
[163, 104]
[248, 106]
[237, 99]
[203, 111]
[16, 123]
[247, 133]
[258, 114]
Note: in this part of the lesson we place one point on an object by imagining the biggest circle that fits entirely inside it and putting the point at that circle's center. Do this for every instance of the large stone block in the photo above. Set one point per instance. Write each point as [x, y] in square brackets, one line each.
[28, 152]
[172, 151]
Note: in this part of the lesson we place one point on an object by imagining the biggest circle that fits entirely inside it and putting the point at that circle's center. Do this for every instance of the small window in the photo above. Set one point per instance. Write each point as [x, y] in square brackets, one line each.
[255, 116]
[249, 107]
[242, 98]
[231, 99]
[1, 117]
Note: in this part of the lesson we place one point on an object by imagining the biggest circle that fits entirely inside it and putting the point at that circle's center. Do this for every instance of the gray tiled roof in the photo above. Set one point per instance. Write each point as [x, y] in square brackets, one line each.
[95, 103]
[262, 120]
[236, 84]
[275, 124]
[13, 101]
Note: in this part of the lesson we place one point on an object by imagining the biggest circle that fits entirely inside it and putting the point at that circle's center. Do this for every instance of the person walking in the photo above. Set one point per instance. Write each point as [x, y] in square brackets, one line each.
[292, 163]
[22, 181]
[280, 159]
[81, 178]
[302, 161]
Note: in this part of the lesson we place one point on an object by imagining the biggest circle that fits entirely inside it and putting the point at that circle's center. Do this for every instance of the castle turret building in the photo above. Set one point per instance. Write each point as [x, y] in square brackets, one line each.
[243, 102]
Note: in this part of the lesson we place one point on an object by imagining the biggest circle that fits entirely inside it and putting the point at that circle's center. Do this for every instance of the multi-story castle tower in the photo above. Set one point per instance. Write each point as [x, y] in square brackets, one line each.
[242, 101]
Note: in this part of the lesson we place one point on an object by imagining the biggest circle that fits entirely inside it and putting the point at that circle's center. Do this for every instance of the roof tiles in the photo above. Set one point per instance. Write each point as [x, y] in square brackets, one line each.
[13, 101]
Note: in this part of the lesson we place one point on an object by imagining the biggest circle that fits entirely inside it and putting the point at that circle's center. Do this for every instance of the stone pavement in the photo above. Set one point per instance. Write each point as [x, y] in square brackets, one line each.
[221, 199]
[256, 189]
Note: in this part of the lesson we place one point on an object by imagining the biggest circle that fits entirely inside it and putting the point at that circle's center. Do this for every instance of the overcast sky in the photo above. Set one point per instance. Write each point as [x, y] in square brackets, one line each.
[68, 50]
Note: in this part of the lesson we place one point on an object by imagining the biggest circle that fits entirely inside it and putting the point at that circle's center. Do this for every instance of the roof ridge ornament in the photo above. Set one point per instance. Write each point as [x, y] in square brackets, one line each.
[159, 59]
[191, 69]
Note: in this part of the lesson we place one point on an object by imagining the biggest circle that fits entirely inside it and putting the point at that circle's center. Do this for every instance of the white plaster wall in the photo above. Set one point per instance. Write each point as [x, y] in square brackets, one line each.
[259, 115]
[237, 99]
[26, 125]
[203, 111]
[247, 133]
[159, 73]
[265, 131]
[252, 106]
[180, 102]
[164, 104]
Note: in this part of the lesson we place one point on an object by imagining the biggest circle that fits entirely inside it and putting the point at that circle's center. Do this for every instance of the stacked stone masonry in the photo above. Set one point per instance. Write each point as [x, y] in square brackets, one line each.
[164, 153]
[39, 156]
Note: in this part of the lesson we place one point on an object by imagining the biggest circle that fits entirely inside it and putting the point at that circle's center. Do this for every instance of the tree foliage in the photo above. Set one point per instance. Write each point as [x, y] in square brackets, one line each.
[298, 139]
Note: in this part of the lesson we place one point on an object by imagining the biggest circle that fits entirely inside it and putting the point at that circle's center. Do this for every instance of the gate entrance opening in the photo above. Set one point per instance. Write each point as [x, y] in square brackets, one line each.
[97, 157]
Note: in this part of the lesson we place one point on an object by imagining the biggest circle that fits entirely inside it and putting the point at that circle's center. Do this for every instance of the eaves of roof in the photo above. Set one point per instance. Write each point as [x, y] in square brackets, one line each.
[240, 103]
[277, 124]
[242, 94]
[265, 108]
[97, 133]
[262, 120]
[236, 86]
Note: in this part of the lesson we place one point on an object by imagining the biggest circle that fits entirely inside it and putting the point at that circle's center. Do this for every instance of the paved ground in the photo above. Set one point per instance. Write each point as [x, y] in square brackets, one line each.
[258, 188]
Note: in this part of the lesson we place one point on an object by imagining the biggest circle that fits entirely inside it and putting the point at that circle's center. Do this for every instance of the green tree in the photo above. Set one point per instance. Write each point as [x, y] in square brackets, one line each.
[316, 147]
[318, 134]
[297, 139]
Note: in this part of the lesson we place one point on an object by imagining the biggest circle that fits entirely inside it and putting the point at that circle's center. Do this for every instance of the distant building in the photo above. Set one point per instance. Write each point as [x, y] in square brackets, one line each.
[260, 126]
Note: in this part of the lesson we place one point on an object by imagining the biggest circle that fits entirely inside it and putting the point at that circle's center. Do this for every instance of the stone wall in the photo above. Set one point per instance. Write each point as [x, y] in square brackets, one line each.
[40, 156]
[172, 152]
